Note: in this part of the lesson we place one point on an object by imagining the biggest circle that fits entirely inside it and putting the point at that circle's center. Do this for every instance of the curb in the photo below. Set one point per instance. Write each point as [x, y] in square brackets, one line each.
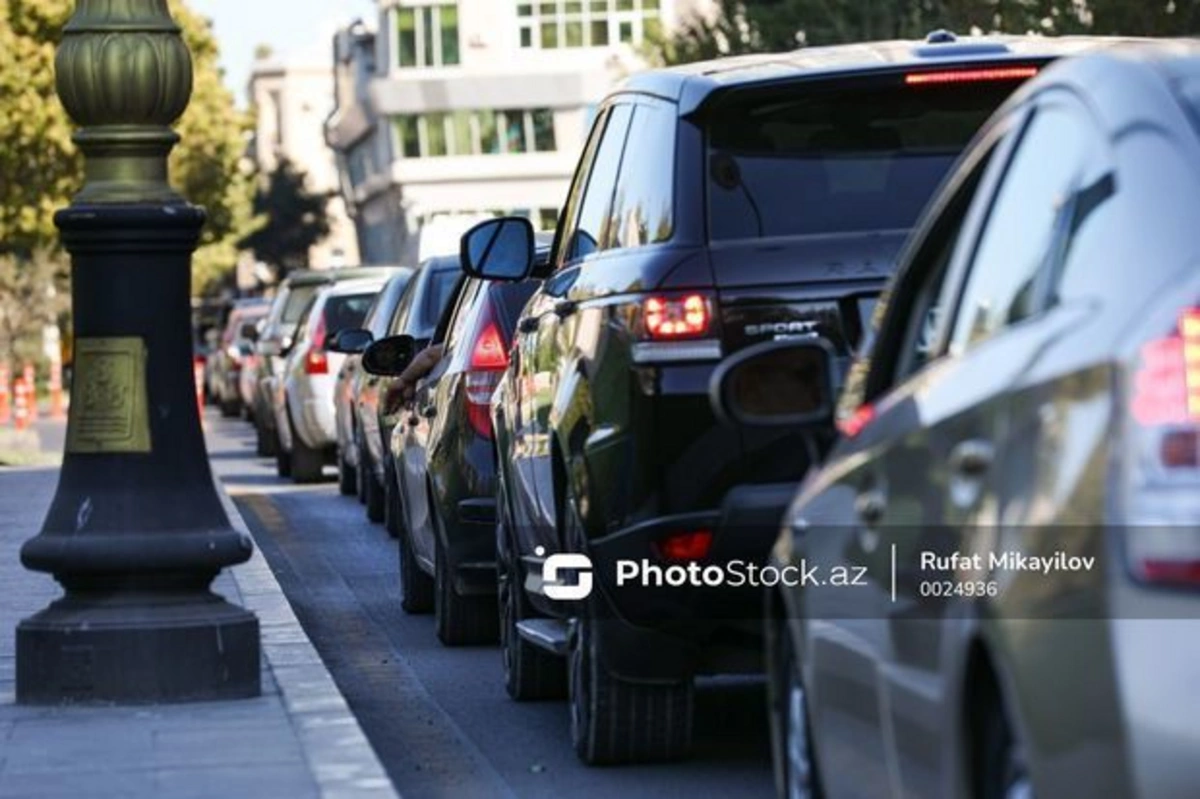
[341, 759]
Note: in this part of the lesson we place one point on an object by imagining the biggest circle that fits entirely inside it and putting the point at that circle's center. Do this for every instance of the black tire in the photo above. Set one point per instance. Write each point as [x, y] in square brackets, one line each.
[308, 464]
[266, 440]
[614, 721]
[1001, 769]
[796, 773]
[364, 469]
[416, 587]
[283, 462]
[374, 498]
[460, 620]
[230, 408]
[393, 514]
[347, 479]
[530, 673]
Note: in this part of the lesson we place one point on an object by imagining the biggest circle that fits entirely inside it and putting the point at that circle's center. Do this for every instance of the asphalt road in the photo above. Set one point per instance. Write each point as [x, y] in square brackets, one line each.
[439, 718]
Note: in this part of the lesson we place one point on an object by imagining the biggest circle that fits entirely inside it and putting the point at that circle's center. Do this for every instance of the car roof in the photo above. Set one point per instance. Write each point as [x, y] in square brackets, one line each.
[343, 288]
[310, 276]
[692, 84]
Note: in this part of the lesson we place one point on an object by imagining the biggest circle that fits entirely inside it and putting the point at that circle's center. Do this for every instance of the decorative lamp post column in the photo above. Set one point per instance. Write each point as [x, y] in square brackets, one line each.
[136, 532]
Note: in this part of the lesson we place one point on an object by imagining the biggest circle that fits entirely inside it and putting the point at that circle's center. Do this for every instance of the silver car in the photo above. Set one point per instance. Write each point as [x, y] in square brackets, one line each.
[303, 398]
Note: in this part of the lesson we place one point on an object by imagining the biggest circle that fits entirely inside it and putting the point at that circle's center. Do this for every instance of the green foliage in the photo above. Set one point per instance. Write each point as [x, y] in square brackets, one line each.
[33, 293]
[743, 26]
[42, 168]
[293, 219]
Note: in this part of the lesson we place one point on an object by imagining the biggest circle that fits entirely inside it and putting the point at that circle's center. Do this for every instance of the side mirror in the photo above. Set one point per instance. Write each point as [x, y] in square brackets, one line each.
[285, 346]
[249, 331]
[269, 348]
[389, 356]
[351, 341]
[499, 249]
[786, 383]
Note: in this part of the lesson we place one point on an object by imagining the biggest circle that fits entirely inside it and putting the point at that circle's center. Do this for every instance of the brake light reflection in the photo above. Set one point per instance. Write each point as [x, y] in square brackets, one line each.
[969, 75]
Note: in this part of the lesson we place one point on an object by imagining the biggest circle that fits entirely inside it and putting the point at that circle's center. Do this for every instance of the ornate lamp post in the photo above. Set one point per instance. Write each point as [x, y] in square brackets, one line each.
[136, 532]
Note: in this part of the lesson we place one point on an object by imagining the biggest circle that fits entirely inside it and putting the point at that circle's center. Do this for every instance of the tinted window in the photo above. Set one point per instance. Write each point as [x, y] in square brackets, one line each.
[380, 313]
[346, 312]
[400, 317]
[462, 311]
[437, 295]
[837, 161]
[1019, 246]
[643, 208]
[298, 297]
[591, 227]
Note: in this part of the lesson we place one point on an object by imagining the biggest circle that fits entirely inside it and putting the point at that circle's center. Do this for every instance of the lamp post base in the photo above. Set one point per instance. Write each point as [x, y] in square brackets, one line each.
[138, 648]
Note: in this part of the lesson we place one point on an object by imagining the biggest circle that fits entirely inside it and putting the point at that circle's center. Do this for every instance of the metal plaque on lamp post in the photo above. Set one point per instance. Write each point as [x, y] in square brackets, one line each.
[136, 532]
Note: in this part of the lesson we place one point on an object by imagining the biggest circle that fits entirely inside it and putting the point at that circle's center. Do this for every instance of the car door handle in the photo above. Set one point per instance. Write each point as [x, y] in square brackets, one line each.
[565, 308]
[972, 458]
[528, 325]
[429, 411]
[870, 506]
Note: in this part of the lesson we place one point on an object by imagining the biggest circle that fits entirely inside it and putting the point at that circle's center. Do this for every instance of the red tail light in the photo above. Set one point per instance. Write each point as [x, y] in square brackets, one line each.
[692, 545]
[316, 363]
[969, 75]
[1162, 457]
[669, 318]
[853, 425]
[489, 358]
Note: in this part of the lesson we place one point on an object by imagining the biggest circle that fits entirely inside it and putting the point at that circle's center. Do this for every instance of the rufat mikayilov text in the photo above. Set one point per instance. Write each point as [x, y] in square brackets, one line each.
[1008, 561]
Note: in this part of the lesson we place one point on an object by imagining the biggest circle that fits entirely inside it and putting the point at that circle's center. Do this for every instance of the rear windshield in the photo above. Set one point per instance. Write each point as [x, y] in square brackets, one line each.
[297, 301]
[346, 312]
[841, 161]
[437, 295]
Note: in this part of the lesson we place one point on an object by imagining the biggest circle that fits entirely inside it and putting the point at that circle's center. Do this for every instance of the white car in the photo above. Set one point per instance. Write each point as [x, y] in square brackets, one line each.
[303, 399]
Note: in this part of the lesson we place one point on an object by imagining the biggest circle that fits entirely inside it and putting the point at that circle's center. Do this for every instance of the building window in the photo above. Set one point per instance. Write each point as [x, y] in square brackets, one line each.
[427, 35]
[551, 24]
[483, 132]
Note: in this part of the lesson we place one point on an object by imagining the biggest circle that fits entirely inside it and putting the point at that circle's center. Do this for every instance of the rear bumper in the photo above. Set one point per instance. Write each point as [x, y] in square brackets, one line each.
[654, 629]
[472, 547]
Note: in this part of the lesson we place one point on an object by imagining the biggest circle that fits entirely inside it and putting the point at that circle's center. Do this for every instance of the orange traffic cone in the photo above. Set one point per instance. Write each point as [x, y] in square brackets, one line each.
[58, 409]
[31, 388]
[21, 418]
[5, 394]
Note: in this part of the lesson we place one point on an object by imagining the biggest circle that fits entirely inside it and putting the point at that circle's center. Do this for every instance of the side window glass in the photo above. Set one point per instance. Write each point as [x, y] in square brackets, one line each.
[400, 315]
[643, 208]
[462, 310]
[591, 229]
[1021, 244]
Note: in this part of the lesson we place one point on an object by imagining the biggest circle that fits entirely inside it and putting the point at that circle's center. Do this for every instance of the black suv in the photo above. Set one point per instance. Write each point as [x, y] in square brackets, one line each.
[715, 206]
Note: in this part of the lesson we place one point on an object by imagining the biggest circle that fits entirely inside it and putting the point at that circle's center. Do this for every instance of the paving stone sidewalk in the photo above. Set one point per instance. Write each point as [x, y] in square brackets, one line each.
[298, 740]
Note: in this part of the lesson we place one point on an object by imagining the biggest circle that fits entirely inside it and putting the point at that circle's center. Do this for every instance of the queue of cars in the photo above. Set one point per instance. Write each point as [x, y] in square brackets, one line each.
[990, 271]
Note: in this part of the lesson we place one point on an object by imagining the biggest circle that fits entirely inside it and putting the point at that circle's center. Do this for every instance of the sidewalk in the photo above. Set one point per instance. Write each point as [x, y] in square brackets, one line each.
[297, 740]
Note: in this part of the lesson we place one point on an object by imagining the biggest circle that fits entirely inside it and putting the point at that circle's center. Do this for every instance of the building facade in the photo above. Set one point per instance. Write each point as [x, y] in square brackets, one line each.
[448, 111]
[291, 101]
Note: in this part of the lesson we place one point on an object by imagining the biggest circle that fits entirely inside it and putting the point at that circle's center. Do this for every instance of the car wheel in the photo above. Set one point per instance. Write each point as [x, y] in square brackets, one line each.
[347, 479]
[230, 408]
[283, 461]
[393, 520]
[374, 497]
[460, 620]
[796, 774]
[266, 440]
[308, 464]
[530, 673]
[416, 587]
[360, 477]
[615, 721]
[1003, 772]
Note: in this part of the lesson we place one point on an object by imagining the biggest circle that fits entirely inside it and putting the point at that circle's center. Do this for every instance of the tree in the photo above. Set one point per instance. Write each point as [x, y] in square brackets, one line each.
[32, 295]
[42, 169]
[293, 219]
[741, 26]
